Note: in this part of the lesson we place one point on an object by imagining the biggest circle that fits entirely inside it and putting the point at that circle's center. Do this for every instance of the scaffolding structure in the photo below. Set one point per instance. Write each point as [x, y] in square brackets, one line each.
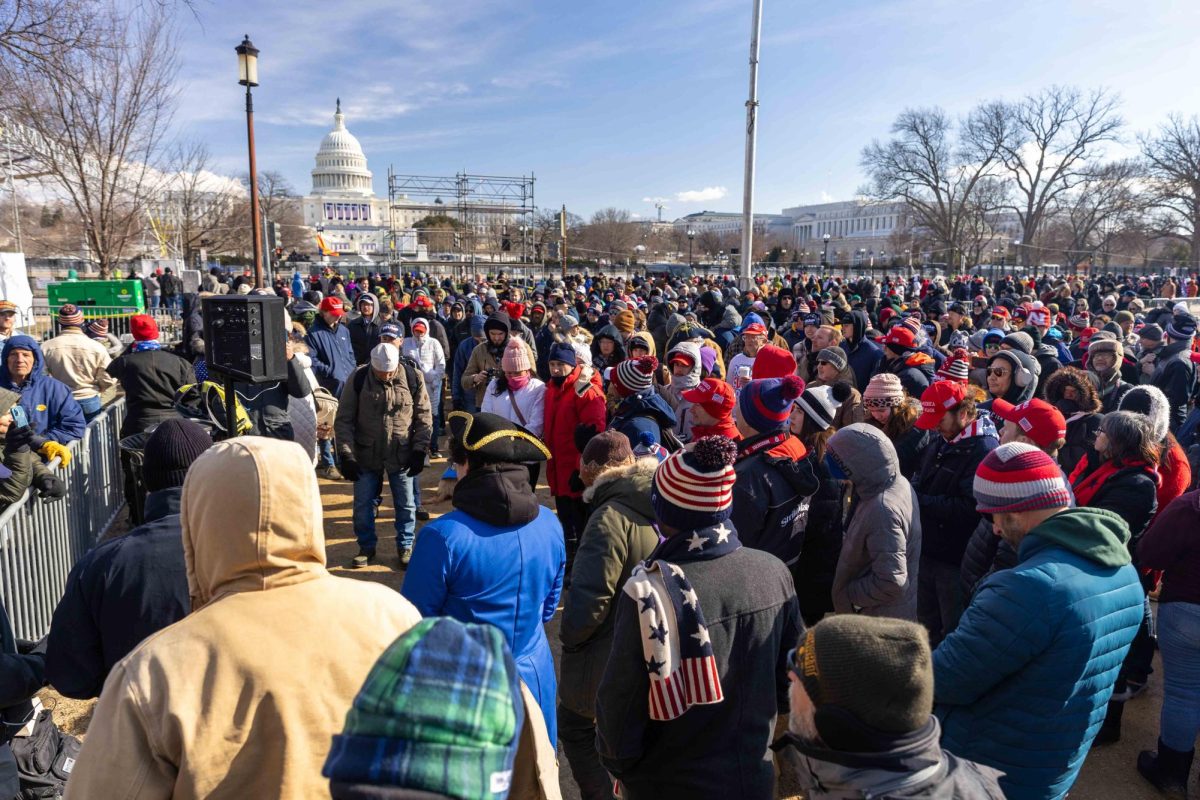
[476, 201]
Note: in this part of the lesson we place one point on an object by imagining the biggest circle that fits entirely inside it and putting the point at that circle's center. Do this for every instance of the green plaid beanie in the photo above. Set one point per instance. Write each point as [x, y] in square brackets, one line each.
[440, 712]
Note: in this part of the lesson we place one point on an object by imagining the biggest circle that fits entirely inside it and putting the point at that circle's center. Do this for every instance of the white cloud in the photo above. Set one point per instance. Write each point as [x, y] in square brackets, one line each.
[826, 197]
[655, 200]
[702, 195]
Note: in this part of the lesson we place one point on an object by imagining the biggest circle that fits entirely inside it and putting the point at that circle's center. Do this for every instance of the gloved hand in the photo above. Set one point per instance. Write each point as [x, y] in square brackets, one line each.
[350, 469]
[49, 487]
[416, 463]
[583, 435]
[18, 440]
[575, 483]
[52, 449]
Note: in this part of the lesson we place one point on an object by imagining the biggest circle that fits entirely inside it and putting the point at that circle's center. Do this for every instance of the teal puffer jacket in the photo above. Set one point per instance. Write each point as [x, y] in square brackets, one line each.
[1023, 682]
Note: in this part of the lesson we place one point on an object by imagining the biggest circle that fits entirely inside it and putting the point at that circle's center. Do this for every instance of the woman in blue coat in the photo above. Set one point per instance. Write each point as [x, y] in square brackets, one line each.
[499, 557]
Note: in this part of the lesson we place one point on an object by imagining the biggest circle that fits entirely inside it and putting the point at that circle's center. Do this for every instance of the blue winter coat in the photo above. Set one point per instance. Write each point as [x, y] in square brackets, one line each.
[640, 413]
[332, 354]
[508, 575]
[53, 411]
[1023, 683]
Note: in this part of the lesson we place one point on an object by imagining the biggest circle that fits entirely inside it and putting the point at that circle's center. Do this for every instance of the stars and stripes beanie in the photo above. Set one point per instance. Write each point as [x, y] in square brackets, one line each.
[765, 404]
[956, 368]
[693, 487]
[1019, 477]
[634, 376]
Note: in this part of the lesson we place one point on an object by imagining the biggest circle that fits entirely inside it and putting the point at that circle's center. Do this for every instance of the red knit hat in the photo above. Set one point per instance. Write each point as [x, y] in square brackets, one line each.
[957, 367]
[143, 327]
[936, 400]
[634, 375]
[1019, 477]
[773, 362]
[713, 395]
[1040, 421]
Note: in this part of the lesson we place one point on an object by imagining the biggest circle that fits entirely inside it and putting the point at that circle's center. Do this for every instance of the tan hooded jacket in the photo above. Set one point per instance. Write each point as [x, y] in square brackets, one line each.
[242, 697]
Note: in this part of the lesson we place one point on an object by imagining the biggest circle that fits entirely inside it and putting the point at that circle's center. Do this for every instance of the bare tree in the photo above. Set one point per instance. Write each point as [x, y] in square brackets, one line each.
[1172, 165]
[611, 234]
[936, 168]
[1047, 144]
[709, 242]
[198, 206]
[94, 120]
[39, 31]
[1086, 219]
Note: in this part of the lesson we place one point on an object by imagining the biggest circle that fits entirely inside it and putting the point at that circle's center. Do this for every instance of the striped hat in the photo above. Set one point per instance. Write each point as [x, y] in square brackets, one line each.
[765, 404]
[956, 368]
[634, 376]
[98, 328]
[693, 488]
[1019, 477]
[69, 316]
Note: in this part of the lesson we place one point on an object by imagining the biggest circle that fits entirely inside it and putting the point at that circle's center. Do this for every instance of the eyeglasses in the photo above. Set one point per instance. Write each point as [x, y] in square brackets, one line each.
[999, 372]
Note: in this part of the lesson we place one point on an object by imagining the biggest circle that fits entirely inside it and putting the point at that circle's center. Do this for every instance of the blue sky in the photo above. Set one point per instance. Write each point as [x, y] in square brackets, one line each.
[615, 103]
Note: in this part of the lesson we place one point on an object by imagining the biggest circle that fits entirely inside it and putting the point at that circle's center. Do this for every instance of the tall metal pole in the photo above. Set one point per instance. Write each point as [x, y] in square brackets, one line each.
[562, 229]
[256, 223]
[747, 261]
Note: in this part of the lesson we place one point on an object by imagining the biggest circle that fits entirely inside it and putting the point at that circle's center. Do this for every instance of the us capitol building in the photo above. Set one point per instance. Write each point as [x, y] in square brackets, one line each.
[342, 207]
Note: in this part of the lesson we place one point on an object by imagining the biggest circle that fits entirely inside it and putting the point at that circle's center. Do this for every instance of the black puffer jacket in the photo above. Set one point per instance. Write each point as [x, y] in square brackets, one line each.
[1130, 492]
[1175, 374]
[945, 492]
[771, 497]
[986, 553]
[813, 572]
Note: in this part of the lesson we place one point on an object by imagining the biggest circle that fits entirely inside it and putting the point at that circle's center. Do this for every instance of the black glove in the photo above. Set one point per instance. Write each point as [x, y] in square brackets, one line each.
[350, 469]
[575, 483]
[49, 487]
[583, 435]
[416, 463]
[19, 440]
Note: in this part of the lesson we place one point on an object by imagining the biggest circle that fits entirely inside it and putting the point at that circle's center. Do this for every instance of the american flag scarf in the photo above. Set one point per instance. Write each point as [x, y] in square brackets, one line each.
[678, 654]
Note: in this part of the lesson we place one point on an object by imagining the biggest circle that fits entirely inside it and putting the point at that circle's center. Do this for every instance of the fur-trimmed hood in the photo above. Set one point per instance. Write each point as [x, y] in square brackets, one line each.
[1151, 402]
[644, 466]
[1080, 381]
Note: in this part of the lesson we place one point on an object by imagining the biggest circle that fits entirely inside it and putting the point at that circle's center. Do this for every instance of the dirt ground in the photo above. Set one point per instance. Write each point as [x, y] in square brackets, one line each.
[1108, 773]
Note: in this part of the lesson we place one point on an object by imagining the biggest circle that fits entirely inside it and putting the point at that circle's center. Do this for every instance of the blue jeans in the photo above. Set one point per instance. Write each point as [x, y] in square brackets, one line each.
[325, 453]
[366, 490]
[91, 406]
[1179, 643]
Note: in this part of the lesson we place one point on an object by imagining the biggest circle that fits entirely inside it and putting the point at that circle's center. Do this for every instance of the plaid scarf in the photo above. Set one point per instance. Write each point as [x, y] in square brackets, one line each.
[679, 656]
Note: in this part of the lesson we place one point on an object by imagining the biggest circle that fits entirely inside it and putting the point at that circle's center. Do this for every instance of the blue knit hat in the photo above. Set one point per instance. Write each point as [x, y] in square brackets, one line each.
[765, 404]
[561, 351]
[440, 712]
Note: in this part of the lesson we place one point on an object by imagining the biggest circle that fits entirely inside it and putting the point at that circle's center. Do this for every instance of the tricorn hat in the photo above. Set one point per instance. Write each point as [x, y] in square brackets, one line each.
[495, 439]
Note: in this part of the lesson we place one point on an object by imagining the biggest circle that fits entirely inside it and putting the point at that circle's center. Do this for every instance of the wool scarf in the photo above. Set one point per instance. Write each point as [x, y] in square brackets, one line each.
[678, 654]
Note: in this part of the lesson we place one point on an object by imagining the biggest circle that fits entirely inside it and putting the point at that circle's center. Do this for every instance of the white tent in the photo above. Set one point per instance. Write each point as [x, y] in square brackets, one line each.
[14, 287]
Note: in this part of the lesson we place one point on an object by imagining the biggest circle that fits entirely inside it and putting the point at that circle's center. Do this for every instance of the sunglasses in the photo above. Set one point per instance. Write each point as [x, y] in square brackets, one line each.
[999, 372]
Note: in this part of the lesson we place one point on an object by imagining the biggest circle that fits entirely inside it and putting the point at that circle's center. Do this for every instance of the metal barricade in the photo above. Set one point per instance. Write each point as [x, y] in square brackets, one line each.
[40, 541]
[45, 321]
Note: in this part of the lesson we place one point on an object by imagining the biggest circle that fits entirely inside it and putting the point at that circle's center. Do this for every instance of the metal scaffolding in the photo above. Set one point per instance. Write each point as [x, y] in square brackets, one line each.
[474, 200]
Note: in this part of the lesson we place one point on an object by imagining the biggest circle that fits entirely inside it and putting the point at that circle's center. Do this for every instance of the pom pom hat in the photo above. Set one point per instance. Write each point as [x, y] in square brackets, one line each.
[634, 376]
[693, 488]
[764, 405]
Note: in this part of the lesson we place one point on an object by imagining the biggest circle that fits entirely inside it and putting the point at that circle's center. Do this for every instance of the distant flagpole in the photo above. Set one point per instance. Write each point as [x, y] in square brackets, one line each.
[745, 272]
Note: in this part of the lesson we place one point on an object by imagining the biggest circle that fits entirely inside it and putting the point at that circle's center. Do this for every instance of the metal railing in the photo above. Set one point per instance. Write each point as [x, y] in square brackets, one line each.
[40, 541]
[45, 321]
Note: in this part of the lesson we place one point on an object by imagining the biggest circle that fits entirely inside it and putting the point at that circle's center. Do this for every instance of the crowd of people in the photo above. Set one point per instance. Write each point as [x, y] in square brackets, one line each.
[884, 537]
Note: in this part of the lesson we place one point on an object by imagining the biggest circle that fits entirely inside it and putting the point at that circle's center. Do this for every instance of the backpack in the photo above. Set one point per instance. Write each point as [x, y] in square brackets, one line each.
[45, 759]
[410, 373]
[205, 403]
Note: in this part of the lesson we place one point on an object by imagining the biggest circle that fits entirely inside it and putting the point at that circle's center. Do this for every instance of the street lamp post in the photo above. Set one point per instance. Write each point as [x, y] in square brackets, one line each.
[691, 234]
[825, 253]
[247, 55]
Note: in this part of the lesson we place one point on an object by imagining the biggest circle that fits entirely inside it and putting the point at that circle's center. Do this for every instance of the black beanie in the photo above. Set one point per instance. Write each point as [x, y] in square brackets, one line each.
[171, 449]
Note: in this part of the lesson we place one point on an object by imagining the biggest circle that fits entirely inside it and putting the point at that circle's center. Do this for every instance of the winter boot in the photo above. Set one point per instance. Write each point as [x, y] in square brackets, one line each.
[1167, 769]
[1110, 731]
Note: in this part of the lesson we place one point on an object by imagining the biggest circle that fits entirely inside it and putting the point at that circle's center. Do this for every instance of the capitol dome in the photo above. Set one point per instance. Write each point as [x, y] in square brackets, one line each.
[341, 164]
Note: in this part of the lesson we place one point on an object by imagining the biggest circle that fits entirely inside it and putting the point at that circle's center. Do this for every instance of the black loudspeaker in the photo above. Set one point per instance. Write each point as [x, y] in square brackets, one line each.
[244, 337]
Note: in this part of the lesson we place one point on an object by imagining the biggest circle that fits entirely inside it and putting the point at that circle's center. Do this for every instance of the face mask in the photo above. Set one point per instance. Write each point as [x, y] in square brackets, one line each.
[517, 383]
[557, 380]
[684, 382]
[1067, 407]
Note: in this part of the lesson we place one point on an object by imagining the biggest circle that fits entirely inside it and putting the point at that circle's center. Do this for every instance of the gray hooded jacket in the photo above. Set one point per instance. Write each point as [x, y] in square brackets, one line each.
[877, 570]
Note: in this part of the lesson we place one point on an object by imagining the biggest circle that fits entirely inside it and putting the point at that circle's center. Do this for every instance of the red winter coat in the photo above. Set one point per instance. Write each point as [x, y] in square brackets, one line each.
[578, 401]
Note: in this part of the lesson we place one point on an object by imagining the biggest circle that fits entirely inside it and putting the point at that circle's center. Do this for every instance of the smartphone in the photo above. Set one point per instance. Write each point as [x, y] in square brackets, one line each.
[20, 416]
